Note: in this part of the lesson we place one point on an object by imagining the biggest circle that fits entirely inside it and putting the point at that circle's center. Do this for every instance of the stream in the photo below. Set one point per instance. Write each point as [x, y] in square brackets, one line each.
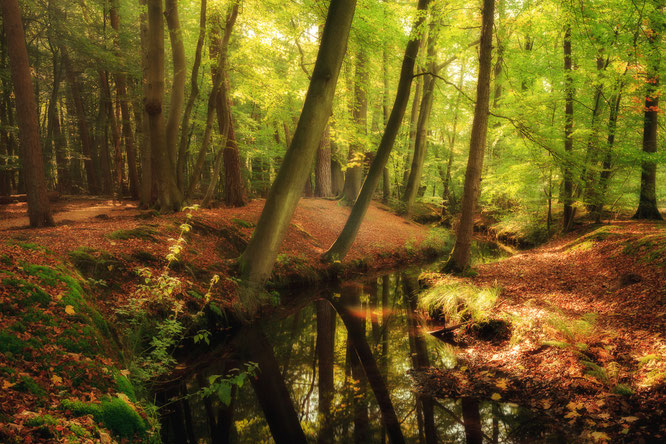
[333, 366]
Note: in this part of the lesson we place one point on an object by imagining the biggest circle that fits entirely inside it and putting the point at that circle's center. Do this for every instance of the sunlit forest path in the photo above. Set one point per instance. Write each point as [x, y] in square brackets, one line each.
[587, 318]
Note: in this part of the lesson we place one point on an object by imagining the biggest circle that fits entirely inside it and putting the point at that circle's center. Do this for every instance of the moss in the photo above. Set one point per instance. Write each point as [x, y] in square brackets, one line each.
[34, 316]
[623, 389]
[76, 341]
[41, 420]
[94, 264]
[10, 343]
[114, 414]
[35, 295]
[125, 386]
[142, 232]
[6, 260]
[27, 384]
[144, 256]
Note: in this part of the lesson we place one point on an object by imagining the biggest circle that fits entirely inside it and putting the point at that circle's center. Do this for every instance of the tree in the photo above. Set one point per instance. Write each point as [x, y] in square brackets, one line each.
[647, 204]
[460, 256]
[569, 211]
[343, 243]
[257, 260]
[39, 211]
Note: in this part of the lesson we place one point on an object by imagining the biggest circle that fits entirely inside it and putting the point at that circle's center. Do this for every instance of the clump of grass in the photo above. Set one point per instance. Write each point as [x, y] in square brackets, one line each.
[458, 301]
[142, 232]
[574, 330]
[439, 242]
[526, 229]
[242, 223]
[623, 389]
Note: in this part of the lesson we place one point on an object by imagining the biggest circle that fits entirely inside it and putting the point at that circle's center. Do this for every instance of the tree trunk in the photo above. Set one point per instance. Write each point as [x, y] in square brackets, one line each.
[147, 178]
[323, 167]
[257, 261]
[79, 111]
[101, 135]
[647, 203]
[420, 142]
[472, 421]
[461, 252]
[386, 178]
[194, 94]
[178, 84]
[354, 173]
[567, 199]
[326, 355]
[112, 122]
[169, 196]
[346, 238]
[607, 164]
[39, 211]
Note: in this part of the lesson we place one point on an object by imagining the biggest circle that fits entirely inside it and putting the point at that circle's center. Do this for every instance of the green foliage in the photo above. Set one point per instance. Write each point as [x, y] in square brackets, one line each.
[439, 242]
[114, 414]
[242, 223]
[27, 384]
[222, 386]
[94, 263]
[623, 389]
[41, 420]
[458, 301]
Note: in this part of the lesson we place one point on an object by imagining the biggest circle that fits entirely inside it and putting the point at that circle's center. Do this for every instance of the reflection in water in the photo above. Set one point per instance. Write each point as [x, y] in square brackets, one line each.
[336, 370]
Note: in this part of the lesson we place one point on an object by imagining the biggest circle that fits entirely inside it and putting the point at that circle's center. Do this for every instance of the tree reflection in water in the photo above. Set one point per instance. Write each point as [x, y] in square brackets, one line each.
[334, 369]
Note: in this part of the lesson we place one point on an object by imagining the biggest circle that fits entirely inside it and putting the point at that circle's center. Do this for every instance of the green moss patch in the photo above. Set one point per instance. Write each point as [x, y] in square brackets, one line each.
[94, 263]
[114, 414]
[142, 232]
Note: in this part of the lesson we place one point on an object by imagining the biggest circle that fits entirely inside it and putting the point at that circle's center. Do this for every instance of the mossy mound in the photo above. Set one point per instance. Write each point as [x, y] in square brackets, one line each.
[115, 414]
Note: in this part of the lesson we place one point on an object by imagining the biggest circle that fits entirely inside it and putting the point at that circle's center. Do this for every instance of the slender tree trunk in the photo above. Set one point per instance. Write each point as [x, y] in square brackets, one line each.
[472, 421]
[194, 94]
[420, 141]
[605, 174]
[647, 203]
[112, 122]
[101, 135]
[257, 261]
[461, 252]
[354, 173]
[169, 195]
[179, 78]
[346, 238]
[79, 111]
[567, 199]
[326, 355]
[39, 211]
[386, 178]
[147, 177]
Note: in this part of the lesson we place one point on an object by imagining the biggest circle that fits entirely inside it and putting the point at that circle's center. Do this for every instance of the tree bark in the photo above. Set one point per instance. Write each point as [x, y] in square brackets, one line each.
[461, 252]
[326, 355]
[169, 196]
[323, 167]
[179, 78]
[147, 177]
[257, 261]
[346, 238]
[39, 210]
[101, 140]
[647, 203]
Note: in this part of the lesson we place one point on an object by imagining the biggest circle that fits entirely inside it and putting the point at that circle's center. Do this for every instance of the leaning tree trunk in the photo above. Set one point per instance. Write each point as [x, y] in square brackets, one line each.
[647, 203]
[39, 211]
[567, 199]
[461, 252]
[258, 258]
[169, 196]
[346, 238]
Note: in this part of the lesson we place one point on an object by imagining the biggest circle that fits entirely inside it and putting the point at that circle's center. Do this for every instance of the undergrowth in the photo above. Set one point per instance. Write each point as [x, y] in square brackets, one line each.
[456, 301]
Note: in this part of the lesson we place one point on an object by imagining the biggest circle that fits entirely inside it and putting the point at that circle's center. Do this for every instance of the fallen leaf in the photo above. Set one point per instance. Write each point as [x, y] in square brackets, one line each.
[56, 380]
[496, 397]
[600, 436]
[572, 414]
[501, 384]
[70, 310]
[7, 384]
[629, 418]
[546, 404]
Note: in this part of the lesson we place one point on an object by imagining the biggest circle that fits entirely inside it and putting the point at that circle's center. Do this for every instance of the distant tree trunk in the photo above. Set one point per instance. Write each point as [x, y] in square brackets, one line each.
[567, 199]
[323, 167]
[461, 252]
[354, 173]
[79, 111]
[386, 178]
[258, 258]
[179, 78]
[112, 122]
[147, 177]
[169, 196]
[101, 135]
[413, 121]
[194, 93]
[605, 174]
[647, 203]
[39, 211]
[446, 175]
[420, 141]
[472, 421]
[55, 134]
[346, 238]
[128, 135]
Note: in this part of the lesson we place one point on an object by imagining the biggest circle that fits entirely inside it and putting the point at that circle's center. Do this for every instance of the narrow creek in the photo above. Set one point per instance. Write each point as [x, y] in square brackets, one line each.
[333, 366]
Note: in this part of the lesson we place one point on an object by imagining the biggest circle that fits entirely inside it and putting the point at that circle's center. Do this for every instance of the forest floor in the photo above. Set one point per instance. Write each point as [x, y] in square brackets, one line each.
[67, 292]
[587, 314]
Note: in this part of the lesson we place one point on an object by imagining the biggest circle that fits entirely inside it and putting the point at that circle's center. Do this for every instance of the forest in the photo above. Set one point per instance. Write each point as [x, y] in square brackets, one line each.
[332, 221]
